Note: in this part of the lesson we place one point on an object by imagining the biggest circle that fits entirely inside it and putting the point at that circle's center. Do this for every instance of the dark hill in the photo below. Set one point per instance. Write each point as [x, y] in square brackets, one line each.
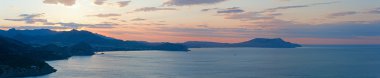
[15, 60]
[10, 46]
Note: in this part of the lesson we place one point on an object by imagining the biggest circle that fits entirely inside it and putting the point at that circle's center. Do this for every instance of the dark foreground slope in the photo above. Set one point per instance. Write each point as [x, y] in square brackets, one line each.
[21, 66]
[55, 52]
[15, 60]
[258, 42]
[23, 52]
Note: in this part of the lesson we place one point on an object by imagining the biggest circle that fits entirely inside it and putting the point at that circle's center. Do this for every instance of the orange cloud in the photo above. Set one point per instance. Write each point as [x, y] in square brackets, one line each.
[64, 2]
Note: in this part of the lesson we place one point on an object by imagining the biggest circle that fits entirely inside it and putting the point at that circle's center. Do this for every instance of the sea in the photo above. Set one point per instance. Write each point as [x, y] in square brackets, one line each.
[304, 62]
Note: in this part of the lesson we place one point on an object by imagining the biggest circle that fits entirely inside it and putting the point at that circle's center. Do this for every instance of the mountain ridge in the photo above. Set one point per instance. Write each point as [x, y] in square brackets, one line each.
[40, 37]
[103, 43]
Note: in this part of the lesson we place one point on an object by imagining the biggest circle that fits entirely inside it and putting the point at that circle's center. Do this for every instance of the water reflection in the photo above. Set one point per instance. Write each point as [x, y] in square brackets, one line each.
[225, 63]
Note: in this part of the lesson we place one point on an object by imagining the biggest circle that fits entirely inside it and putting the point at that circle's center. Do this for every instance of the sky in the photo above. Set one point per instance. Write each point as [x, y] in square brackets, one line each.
[300, 21]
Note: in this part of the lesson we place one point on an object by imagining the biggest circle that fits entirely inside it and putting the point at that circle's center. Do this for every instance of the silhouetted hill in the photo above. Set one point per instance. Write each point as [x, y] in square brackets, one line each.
[82, 49]
[15, 60]
[46, 36]
[267, 43]
[258, 42]
[99, 42]
[50, 52]
[172, 47]
[20, 66]
[10, 46]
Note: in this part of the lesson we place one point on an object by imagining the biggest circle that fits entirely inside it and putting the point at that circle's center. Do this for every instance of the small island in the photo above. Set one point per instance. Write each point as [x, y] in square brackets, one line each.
[257, 43]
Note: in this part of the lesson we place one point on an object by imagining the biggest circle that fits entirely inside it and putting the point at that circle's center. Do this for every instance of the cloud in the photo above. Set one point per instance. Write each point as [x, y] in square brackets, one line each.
[106, 15]
[284, 7]
[72, 2]
[34, 27]
[209, 9]
[231, 10]
[99, 2]
[138, 19]
[64, 2]
[148, 9]
[347, 29]
[149, 24]
[247, 16]
[267, 14]
[191, 2]
[206, 32]
[375, 11]
[283, 0]
[203, 25]
[29, 18]
[294, 6]
[123, 3]
[79, 25]
[325, 3]
[272, 23]
[340, 14]
[226, 10]
[65, 26]
[334, 30]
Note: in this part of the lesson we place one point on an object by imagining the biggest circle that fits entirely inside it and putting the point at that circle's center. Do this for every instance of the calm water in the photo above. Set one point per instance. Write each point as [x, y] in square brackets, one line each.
[306, 62]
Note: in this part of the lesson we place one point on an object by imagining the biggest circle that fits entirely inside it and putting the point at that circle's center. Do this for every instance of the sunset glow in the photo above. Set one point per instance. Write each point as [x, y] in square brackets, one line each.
[300, 21]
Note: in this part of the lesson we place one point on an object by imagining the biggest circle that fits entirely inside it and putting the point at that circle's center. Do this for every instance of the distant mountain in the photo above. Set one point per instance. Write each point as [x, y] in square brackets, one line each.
[40, 37]
[46, 36]
[258, 42]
